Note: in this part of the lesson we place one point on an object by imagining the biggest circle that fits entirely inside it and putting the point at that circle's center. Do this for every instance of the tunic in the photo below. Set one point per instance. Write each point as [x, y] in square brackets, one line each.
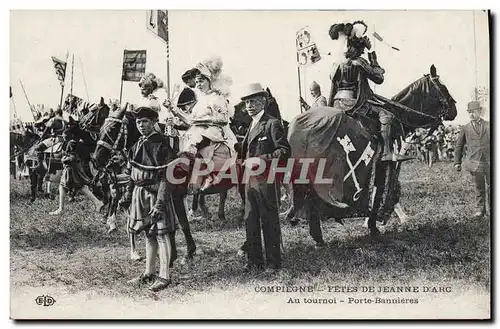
[148, 187]
[74, 175]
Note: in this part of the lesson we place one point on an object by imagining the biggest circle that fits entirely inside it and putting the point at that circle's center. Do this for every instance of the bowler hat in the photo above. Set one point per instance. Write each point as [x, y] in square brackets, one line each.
[473, 106]
[253, 89]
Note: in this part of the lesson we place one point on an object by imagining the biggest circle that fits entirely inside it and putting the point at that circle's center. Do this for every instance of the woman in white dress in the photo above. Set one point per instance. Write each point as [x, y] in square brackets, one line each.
[209, 119]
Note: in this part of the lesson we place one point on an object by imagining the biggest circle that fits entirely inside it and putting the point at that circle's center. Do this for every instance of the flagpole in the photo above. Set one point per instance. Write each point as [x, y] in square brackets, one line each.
[72, 72]
[121, 85]
[84, 81]
[25, 95]
[476, 96]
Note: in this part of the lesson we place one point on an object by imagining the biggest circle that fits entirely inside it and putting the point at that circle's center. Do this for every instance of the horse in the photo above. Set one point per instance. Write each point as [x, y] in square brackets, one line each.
[25, 147]
[117, 136]
[350, 151]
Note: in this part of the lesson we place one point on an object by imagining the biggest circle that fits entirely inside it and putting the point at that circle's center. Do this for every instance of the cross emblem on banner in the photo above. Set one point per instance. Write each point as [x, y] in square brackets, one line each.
[365, 157]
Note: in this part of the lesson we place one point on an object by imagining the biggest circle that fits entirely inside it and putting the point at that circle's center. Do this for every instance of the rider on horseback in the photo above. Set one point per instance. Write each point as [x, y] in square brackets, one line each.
[52, 134]
[350, 90]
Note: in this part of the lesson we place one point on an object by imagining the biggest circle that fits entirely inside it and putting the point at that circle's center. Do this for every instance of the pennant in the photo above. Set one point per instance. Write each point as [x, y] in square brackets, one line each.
[60, 68]
[134, 65]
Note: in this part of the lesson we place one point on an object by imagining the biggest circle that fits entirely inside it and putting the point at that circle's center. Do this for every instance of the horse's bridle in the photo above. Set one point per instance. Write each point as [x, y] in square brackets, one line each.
[442, 99]
[122, 133]
[114, 149]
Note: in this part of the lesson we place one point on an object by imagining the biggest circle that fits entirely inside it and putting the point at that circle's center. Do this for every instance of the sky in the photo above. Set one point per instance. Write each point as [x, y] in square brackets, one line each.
[255, 46]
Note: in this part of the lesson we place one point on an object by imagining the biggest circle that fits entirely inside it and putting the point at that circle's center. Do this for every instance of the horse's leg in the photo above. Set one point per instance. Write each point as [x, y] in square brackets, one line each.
[313, 215]
[388, 194]
[33, 184]
[380, 176]
[403, 217]
[194, 204]
[115, 194]
[222, 204]
[203, 207]
[180, 210]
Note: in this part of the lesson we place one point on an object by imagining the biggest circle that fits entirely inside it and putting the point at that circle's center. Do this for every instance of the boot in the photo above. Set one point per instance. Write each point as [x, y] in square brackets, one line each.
[388, 154]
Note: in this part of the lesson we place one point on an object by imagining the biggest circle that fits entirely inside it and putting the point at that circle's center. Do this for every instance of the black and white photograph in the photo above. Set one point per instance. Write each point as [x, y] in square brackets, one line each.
[249, 164]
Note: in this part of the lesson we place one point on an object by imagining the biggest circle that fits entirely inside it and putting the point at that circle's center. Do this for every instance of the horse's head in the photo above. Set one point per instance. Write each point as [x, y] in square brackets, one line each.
[118, 132]
[430, 96]
[94, 115]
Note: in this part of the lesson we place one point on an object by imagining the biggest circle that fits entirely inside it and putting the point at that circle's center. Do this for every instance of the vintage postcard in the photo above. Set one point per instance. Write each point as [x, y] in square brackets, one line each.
[174, 164]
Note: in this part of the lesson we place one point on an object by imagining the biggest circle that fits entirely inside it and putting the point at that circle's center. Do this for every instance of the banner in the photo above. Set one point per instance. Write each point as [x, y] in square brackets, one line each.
[72, 103]
[60, 67]
[307, 51]
[157, 23]
[134, 65]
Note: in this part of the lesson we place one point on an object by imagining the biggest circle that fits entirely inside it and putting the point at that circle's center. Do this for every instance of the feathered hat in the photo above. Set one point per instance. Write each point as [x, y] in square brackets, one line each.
[212, 70]
[355, 33]
[150, 78]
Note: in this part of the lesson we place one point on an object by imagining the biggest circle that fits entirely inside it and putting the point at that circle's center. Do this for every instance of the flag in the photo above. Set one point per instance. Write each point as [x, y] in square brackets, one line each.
[307, 50]
[157, 23]
[134, 65]
[72, 103]
[60, 67]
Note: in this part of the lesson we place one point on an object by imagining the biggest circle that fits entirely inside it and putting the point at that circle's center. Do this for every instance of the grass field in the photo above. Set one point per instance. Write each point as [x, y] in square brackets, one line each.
[439, 244]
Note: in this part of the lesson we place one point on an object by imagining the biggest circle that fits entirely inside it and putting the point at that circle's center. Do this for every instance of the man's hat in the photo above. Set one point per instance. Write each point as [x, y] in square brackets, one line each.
[150, 109]
[189, 74]
[473, 106]
[253, 89]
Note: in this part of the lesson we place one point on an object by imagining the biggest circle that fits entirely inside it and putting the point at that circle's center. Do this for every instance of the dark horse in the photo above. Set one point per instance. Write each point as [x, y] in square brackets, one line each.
[349, 147]
[118, 134]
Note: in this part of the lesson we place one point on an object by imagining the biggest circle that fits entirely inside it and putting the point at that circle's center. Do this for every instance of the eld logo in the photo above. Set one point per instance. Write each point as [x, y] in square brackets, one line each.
[45, 300]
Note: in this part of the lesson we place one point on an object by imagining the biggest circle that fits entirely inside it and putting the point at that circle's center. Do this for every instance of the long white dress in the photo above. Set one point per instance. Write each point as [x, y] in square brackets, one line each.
[209, 108]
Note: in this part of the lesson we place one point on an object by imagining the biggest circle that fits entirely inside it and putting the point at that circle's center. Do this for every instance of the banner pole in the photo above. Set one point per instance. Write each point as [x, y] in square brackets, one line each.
[121, 80]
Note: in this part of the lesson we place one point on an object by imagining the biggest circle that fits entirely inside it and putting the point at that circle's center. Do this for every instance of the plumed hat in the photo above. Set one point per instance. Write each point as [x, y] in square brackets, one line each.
[150, 78]
[212, 69]
[355, 33]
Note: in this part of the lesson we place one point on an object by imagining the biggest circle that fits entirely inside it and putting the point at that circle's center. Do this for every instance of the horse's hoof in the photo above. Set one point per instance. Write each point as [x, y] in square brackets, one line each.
[320, 245]
[112, 228]
[55, 212]
[135, 256]
[32, 200]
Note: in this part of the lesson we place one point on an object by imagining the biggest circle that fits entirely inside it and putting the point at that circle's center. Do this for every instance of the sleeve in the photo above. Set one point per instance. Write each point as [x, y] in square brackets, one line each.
[165, 156]
[130, 184]
[375, 74]
[282, 149]
[459, 147]
[334, 76]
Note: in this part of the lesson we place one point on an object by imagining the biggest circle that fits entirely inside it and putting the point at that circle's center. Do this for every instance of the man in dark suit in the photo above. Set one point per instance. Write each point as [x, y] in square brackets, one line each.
[475, 137]
[265, 140]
